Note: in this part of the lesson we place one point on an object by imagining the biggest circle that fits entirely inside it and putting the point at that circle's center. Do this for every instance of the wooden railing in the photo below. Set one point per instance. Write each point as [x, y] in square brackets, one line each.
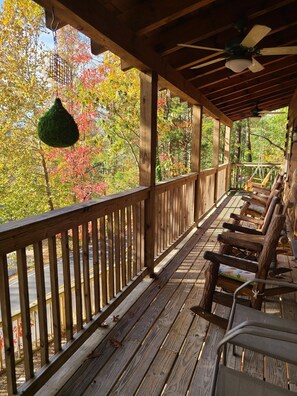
[213, 184]
[222, 181]
[174, 209]
[241, 172]
[75, 265]
[103, 239]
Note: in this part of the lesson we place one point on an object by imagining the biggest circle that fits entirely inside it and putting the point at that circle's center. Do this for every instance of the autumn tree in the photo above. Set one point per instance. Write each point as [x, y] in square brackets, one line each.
[24, 188]
[73, 171]
[174, 136]
[118, 98]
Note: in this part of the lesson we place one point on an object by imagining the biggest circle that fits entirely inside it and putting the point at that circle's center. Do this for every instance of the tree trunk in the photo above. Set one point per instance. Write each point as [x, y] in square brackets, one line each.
[248, 142]
[237, 151]
[47, 183]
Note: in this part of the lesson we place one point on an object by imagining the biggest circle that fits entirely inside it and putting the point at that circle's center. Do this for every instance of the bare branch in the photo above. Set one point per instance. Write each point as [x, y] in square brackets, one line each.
[273, 144]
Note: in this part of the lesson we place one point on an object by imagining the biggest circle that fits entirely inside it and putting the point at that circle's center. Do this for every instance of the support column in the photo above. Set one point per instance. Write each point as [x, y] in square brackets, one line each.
[216, 152]
[197, 118]
[227, 156]
[147, 163]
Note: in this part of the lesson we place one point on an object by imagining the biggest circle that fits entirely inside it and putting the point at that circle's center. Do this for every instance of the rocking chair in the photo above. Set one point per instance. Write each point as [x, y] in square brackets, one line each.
[261, 224]
[229, 272]
[257, 206]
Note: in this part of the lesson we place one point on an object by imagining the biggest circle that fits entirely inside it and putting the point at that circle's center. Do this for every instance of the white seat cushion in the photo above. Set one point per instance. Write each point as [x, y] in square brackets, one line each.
[235, 273]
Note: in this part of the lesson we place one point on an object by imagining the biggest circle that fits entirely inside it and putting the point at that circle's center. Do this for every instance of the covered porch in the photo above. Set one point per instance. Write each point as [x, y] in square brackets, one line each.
[102, 313]
[153, 344]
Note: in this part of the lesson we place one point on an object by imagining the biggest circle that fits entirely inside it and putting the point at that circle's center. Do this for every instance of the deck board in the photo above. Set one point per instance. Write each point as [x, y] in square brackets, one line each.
[164, 348]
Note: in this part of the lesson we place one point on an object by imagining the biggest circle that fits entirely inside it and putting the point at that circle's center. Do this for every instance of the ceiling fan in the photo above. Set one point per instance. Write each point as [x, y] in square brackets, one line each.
[256, 113]
[240, 53]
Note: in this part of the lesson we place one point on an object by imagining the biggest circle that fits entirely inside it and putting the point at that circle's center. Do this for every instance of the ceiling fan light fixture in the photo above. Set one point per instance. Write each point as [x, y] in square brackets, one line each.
[237, 65]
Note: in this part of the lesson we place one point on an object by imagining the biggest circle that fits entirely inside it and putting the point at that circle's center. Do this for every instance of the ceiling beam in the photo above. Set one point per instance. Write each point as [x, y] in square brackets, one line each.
[257, 88]
[156, 13]
[226, 77]
[279, 93]
[95, 21]
[212, 23]
[256, 84]
[270, 106]
[187, 57]
[250, 104]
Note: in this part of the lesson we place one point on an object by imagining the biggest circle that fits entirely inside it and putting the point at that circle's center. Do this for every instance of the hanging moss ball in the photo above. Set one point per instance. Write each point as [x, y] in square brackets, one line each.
[57, 127]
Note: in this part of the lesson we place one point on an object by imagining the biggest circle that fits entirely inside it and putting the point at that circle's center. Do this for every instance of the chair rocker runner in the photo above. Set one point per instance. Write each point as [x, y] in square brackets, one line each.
[229, 272]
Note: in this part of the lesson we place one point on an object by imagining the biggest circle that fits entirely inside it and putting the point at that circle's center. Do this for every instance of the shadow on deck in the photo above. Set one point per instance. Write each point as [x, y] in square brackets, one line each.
[154, 345]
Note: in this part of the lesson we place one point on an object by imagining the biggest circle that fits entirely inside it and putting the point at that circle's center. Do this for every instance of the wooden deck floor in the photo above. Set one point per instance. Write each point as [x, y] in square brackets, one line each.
[159, 347]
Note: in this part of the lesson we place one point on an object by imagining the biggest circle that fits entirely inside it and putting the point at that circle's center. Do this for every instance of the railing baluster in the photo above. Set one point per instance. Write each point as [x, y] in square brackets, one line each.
[67, 285]
[134, 234]
[142, 233]
[55, 293]
[110, 256]
[86, 272]
[124, 247]
[103, 260]
[95, 245]
[129, 243]
[171, 217]
[77, 278]
[167, 218]
[41, 299]
[138, 228]
[7, 326]
[117, 251]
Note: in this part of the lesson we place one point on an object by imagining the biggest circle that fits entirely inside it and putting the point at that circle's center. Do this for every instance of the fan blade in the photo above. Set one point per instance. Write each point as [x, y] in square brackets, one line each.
[255, 35]
[208, 63]
[279, 50]
[200, 47]
[256, 66]
[271, 112]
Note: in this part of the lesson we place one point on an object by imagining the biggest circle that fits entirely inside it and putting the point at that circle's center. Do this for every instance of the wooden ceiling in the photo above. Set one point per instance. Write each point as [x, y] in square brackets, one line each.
[145, 34]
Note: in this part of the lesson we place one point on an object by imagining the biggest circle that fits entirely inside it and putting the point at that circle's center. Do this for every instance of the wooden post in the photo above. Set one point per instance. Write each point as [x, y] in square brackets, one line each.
[227, 156]
[147, 163]
[196, 152]
[216, 153]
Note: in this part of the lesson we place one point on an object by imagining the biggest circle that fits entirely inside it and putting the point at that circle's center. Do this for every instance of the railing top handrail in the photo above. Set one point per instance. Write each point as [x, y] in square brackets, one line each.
[263, 164]
[209, 171]
[20, 233]
[177, 180]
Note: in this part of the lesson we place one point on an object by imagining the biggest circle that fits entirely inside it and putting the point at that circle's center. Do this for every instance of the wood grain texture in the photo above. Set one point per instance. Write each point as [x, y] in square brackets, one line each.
[41, 299]
[25, 313]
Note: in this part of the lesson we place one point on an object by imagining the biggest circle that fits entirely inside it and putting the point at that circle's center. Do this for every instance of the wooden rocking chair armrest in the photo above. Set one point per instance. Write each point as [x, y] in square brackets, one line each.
[235, 262]
[238, 228]
[241, 241]
[248, 219]
[261, 190]
[255, 200]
